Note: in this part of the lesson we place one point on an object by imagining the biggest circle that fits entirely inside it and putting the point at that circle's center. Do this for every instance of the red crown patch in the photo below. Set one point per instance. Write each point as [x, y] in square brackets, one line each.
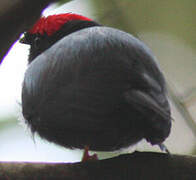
[53, 23]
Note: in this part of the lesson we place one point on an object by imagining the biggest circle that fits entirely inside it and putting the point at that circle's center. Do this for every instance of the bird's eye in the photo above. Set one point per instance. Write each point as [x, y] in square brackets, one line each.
[37, 42]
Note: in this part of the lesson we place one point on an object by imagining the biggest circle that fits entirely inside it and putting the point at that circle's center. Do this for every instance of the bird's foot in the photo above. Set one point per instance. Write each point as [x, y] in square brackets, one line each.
[87, 157]
[163, 148]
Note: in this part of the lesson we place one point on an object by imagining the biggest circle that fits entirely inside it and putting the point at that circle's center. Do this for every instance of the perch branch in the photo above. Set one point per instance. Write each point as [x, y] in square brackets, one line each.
[135, 166]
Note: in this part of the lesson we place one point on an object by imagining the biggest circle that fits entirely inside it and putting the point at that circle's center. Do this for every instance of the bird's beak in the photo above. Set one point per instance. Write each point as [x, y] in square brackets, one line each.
[23, 40]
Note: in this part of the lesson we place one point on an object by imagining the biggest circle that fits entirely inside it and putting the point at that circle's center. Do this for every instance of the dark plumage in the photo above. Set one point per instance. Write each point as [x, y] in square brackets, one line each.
[97, 86]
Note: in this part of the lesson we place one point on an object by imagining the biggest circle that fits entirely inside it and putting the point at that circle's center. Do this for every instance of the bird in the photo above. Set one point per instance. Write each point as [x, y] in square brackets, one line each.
[89, 85]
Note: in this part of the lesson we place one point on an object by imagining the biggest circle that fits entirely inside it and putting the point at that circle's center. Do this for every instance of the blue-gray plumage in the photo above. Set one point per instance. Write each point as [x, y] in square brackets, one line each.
[98, 87]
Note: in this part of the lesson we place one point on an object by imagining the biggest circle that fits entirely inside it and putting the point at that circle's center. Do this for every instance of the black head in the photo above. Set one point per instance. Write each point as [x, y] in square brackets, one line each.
[49, 30]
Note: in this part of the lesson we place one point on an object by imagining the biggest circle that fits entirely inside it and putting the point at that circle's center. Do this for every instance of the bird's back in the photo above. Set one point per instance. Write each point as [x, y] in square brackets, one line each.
[99, 84]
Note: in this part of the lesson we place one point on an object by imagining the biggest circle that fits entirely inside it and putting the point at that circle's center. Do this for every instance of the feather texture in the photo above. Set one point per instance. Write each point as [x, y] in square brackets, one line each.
[99, 87]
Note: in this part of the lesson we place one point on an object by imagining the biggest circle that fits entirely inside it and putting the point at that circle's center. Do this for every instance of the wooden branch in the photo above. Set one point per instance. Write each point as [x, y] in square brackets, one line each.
[16, 16]
[135, 166]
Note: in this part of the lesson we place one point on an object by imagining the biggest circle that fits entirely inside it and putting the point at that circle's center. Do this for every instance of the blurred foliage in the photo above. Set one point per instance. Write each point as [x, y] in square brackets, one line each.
[63, 2]
[176, 17]
[112, 14]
